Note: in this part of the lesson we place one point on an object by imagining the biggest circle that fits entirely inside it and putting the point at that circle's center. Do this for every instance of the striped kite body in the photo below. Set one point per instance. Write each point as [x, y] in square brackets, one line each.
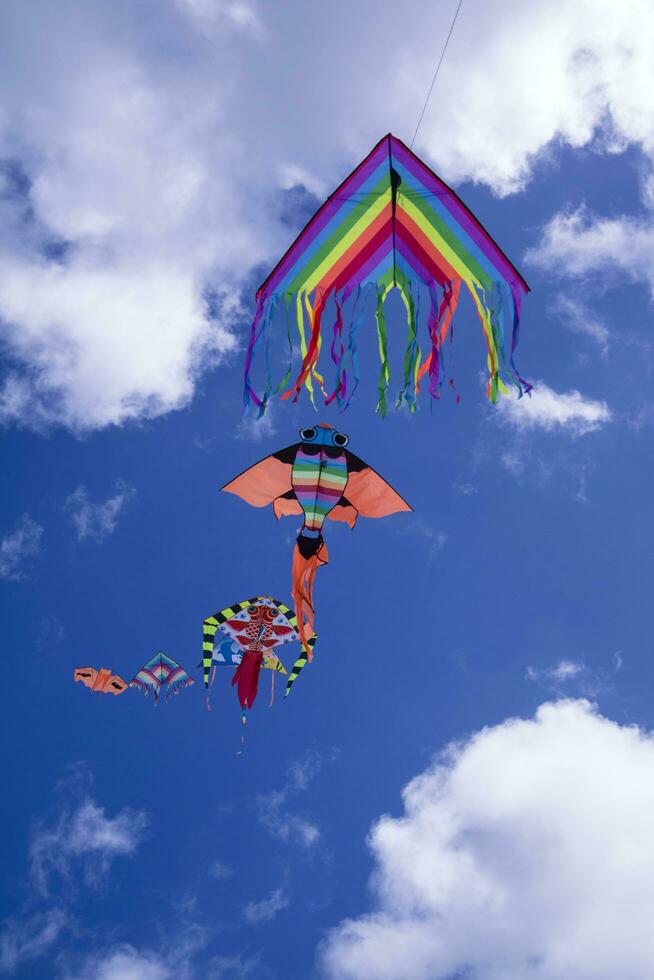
[391, 223]
[319, 482]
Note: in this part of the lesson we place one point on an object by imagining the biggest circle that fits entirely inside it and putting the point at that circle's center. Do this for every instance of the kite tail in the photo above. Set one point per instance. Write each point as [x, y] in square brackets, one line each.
[256, 335]
[309, 554]
[440, 324]
[310, 350]
[246, 676]
[299, 664]
[244, 721]
[410, 384]
[382, 337]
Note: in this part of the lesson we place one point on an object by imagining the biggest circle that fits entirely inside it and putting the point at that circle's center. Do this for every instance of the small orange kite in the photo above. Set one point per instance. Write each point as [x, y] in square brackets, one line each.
[102, 681]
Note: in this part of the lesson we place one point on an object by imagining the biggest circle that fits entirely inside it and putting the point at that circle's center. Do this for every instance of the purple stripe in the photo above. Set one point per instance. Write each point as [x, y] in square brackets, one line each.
[346, 189]
[459, 213]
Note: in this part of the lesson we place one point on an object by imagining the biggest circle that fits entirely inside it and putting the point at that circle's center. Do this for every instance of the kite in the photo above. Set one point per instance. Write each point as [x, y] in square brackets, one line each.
[161, 672]
[102, 681]
[319, 478]
[252, 628]
[393, 223]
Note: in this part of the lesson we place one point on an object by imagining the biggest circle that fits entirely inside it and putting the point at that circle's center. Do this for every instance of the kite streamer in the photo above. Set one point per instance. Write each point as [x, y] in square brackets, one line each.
[393, 223]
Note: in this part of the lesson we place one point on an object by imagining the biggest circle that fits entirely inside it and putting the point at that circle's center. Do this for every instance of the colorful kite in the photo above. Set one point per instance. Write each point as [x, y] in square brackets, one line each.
[161, 672]
[391, 223]
[102, 681]
[252, 628]
[319, 478]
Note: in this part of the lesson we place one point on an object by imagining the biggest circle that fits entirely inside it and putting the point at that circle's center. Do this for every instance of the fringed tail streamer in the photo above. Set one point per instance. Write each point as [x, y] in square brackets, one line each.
[246, 678]
[308, 556]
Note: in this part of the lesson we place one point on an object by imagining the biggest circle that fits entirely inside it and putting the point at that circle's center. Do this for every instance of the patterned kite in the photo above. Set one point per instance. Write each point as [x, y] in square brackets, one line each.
[102, 681]
[391, 224]
[161, 672]
[252, 628]
[319, 478]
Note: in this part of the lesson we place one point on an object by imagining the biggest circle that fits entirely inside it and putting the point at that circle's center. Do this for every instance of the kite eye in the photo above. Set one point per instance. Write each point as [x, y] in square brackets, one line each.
[340, 440]
[308, 435]
[252, 610]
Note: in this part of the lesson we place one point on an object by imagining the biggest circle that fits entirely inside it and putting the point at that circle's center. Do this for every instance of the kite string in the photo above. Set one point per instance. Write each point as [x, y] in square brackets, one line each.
[433, 81]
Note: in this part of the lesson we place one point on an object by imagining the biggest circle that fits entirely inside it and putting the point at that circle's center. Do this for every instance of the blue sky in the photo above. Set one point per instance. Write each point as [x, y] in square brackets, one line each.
[462, 783]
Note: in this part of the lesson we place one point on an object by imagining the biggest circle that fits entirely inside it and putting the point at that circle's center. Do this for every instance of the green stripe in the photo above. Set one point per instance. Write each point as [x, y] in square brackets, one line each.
[449, 236]
[338, 234]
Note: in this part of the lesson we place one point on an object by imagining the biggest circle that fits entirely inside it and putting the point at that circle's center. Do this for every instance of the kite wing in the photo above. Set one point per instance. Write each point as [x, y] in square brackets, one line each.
[161, 672]
[368, 492]
[267, 480]
[102, 681]
[392, 223]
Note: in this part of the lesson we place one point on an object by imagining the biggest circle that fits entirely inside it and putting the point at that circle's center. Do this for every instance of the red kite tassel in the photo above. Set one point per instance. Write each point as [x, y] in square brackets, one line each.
[303, 574]
[246, 676]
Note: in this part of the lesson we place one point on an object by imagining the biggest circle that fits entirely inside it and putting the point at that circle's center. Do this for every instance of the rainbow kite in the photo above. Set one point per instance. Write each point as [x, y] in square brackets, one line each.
[391, 224]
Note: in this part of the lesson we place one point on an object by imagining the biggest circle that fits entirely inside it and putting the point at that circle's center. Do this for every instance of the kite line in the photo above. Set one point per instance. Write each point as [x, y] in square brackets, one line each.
[433, 81]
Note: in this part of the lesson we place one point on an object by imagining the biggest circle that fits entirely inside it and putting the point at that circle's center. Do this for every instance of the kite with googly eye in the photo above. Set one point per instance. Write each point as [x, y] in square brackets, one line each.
[320, 479]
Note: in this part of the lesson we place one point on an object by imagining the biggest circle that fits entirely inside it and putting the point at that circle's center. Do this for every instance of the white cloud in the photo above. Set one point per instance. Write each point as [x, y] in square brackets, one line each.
[575, 315]
[171, 961]
[84, 837]
[281, 822]
[465, 489]
[127, 964]
[578, 244]
[547, 409]
[138, 204]
[19, 546]
[220, 871]
[570, 71]
[435, 539]
[26, 939]
[524, 852]
[253, 429]
[267, 908]
[565, 670]
[97, 520]
[210, 15]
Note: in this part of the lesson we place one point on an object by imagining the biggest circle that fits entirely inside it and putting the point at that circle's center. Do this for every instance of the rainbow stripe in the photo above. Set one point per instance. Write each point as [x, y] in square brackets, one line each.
[161, 672]
[391, 224]
[318, 481]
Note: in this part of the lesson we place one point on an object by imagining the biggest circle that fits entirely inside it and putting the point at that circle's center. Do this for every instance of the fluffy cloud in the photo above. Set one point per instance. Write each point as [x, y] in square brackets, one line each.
[525, 852]
[134, 207]
[83, 838]
[127, 963]
[18, 546]
[97, 520]
[546, 409]
[578, 243]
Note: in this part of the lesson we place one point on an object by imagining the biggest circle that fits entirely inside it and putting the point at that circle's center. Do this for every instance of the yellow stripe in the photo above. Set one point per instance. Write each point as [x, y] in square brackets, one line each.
[344, 243]
[473, 284]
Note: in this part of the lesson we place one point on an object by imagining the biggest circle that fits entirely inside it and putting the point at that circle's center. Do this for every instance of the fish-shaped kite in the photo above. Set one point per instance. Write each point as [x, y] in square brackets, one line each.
[252, 630]
[162, 672]
[392, 224]
[102, 681]
[318, 478]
